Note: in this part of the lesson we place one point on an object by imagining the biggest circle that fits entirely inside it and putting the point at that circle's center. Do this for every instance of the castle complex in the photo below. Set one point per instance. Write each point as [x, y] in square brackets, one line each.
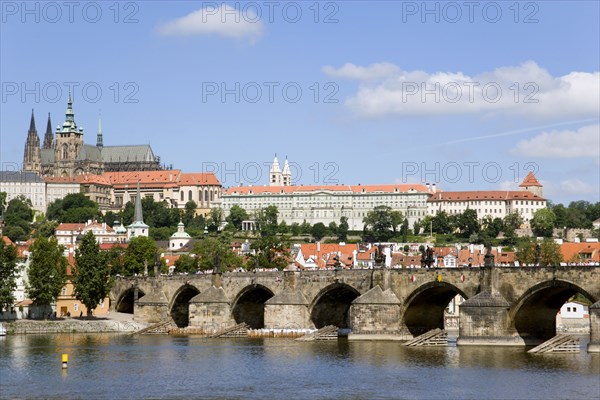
[64, 154]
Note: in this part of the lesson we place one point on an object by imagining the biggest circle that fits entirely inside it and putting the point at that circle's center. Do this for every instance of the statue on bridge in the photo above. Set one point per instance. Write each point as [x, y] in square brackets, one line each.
[379, 257]
[217, 264]
[427, 257]
[488, 259]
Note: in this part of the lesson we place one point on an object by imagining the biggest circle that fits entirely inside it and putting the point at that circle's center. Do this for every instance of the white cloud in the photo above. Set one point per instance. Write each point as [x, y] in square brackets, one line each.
[576, 186]
[526, 89]
[584, 142]
[223, 20]
[372, 72]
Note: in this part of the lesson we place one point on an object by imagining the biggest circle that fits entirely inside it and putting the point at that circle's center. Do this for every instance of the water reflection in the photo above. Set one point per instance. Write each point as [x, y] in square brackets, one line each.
[111, 366]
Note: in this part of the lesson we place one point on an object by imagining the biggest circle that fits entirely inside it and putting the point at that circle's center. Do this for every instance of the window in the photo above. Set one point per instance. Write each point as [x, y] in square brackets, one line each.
[181, 195]
[76, 307]
[190, 195]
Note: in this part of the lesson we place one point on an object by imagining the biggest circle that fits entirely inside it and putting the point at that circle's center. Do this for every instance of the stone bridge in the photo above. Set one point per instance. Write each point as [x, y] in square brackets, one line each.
[504, 305]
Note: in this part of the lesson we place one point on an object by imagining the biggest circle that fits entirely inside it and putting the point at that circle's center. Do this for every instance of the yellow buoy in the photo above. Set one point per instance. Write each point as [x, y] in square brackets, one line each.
[65, 360]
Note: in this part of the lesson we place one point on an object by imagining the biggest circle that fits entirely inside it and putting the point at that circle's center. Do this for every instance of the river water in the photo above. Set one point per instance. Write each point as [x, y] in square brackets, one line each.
[103, 366]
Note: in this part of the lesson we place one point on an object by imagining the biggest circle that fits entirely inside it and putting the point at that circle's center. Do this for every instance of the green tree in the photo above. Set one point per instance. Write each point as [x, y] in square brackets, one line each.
[491, 227]
[44, 227]
[18, 218]
[396, 219]
[110, 218]
[266, 220]
[3, 196]
[378, 224]
[441, 223]
[47, 271]
[525, 252]
[305, 228]
[295, 229]
[140, 251]
[319, 230]
[342, 230]
[8, 274]
[332, 229]
[510, 224]
[416, 227]
[74, 207]
[271, 252]
[404, 231]
[189, 212]
[467, 223]
[116, 260]
[236, 216]
[550, 254]
[542, 223]
[209, 249]
[91, 273]
[283, 228]
[215, 220]
[186, 263]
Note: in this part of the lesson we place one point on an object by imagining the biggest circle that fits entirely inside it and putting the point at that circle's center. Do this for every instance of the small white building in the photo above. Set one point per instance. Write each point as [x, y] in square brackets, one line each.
[574, 310]
[179, 238]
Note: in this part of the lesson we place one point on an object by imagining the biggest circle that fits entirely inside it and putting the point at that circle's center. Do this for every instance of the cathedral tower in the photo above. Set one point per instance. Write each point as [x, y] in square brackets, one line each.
[49, 137]
[32, 161]
[69, 140]
[286, 174]
[275, 175]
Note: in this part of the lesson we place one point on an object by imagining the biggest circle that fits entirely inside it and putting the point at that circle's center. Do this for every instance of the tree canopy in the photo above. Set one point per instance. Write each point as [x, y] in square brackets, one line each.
[47, 271]
[91, 273]
[74, 207]
[8, 274]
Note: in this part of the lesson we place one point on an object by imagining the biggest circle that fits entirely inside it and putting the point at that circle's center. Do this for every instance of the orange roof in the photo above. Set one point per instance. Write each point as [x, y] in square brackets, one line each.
[530, 180]
[7, 241]
[81, 179]
[574, 251]
[78, 226]
[144, 177]
[404, 188]
[327, 251]
[485, 195]
[195, 179]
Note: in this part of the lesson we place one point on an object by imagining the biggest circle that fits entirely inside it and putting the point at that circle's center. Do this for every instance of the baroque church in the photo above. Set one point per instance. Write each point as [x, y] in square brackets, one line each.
[64, 154]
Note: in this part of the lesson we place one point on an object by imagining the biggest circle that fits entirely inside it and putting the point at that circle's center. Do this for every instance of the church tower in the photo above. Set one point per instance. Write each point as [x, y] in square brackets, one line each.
[49, 137]
[138, 227]
[32, 159]
[99, 138]
[531, 184]
[275, 175]
[69, 140]
[286, 174]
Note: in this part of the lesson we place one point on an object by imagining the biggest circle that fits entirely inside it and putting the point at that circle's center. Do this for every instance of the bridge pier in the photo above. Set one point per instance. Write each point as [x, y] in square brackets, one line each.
[485, 320]
[210, 311]
[594, 345]
[288, 309]
[376, 315]
[153, 307]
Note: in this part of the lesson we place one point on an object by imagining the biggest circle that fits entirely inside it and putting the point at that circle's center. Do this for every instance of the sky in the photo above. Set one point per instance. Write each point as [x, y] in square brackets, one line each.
[467, 95]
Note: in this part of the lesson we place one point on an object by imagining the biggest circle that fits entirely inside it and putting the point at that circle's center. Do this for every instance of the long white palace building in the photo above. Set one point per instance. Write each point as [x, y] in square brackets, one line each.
[313, 204]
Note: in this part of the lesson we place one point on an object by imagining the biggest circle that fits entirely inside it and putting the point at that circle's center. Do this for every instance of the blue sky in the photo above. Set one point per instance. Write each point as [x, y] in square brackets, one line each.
[469, 97]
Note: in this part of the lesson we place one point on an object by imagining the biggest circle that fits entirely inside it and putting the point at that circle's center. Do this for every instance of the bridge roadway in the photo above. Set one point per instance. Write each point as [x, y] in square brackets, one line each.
[503, 305]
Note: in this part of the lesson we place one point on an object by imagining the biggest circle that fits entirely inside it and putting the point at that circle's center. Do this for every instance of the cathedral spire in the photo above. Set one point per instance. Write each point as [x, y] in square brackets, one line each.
[138, 217]
[49, 137]
[99, 139]
[31, 156]
[32, 122]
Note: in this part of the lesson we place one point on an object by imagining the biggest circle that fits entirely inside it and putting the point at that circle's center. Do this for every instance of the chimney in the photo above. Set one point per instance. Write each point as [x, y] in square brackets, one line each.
[428, 187]
[433, 188]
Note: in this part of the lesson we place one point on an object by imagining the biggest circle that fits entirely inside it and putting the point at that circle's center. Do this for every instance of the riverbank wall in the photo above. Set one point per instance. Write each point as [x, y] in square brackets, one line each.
[22, 327]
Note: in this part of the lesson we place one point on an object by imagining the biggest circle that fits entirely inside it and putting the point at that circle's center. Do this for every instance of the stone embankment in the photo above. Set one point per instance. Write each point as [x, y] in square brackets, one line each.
[73, 326]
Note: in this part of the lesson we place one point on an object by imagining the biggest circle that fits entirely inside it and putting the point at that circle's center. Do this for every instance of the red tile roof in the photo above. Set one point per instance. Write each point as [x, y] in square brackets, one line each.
[530, 180]
[573, 252]
[404, 188]
[485, 195]
[194, 179]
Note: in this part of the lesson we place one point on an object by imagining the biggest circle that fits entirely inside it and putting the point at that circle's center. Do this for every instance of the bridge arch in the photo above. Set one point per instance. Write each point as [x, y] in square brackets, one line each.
[125, 302]
[249, 305]
[424, 307]
[534, 315]
[179, 309]
[331, 305]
